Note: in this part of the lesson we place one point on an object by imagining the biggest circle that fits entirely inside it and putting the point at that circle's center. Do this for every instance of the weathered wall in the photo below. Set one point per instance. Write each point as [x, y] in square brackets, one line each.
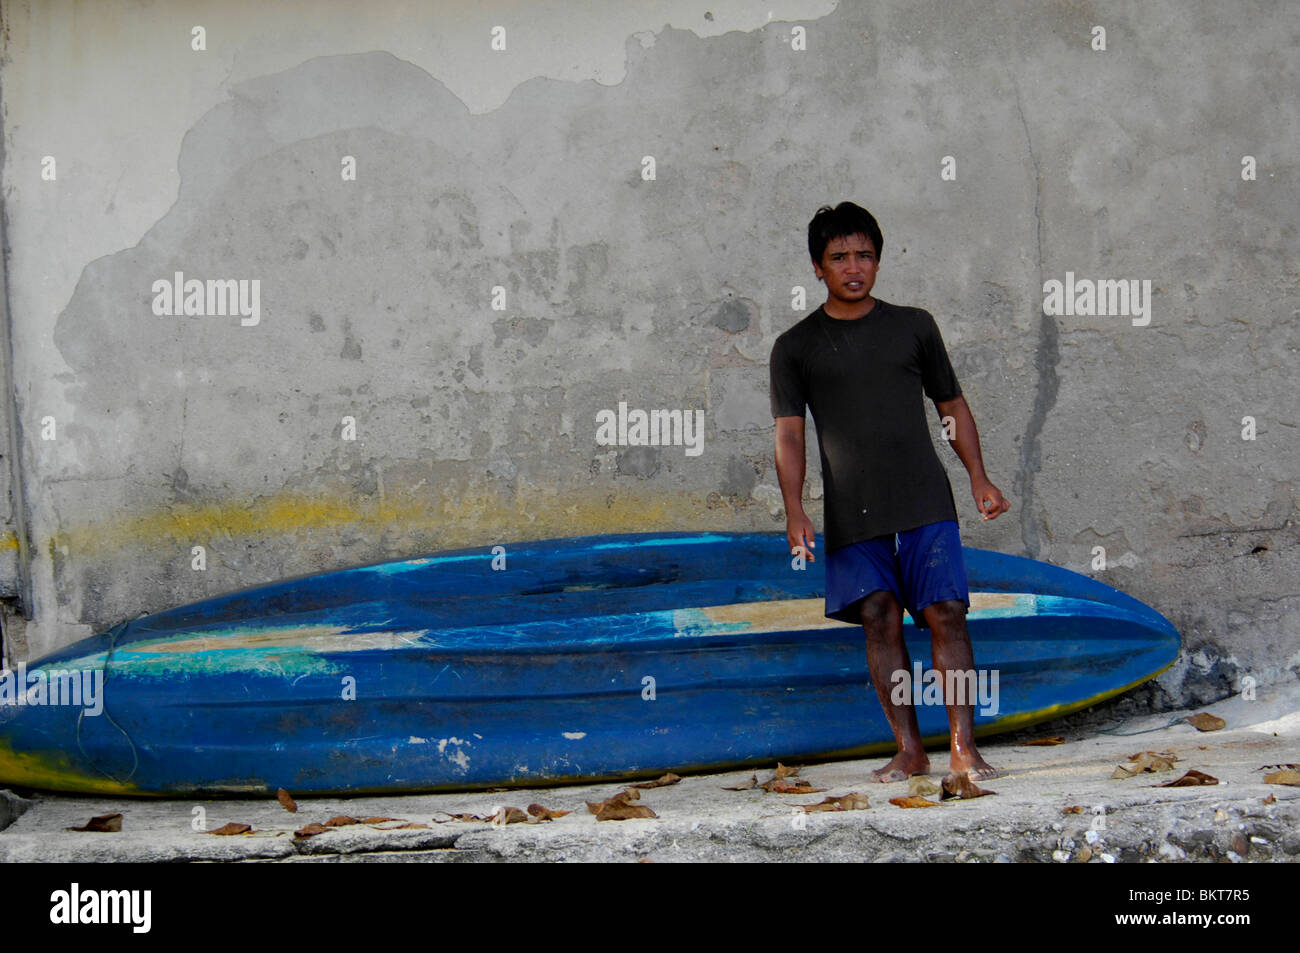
[523, 168]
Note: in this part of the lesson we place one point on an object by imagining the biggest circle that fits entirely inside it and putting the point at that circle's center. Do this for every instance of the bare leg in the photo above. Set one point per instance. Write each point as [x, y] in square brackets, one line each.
[882, 620]
[951, 651]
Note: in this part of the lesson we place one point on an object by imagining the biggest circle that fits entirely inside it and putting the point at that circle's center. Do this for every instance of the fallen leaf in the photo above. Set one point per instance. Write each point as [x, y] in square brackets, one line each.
[465, 817]
[784, 772]
[511, 815]
[1145, 761]
[961, 786]
[913, 802]
[623, 812]
[1164, 755]
[1287, 776]
[379, 820]
[921, 786]
[1271, 799]
[341, 821]
[545, 813]
[617, 808]
[786, 786]
[847, 802]
[1072, 809]
[311, 830]
[286, 800]
[1204, 721]
[747, 786]
[102, 824]
[232, 828]
[666, 780]
[1053, 740]
[1190, 779]
[622, 797]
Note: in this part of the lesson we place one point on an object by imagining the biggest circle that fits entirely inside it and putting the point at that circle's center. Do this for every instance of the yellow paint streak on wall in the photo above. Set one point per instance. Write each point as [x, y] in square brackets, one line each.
[8, 541]
[446, 521]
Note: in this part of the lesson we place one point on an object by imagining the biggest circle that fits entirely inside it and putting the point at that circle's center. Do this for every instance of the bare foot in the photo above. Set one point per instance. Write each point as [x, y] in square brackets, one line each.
[901, 767]
[975, 768]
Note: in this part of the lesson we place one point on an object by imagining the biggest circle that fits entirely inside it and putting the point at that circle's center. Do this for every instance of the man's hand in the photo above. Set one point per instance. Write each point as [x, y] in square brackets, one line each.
[801, 536]
[988, 499]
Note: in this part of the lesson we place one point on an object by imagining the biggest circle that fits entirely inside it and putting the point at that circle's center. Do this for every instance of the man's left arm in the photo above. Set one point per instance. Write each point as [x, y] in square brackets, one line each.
[966, 442]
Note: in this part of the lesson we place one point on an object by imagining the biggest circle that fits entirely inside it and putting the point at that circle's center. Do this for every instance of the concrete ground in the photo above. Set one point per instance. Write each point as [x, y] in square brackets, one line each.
[1239, 819]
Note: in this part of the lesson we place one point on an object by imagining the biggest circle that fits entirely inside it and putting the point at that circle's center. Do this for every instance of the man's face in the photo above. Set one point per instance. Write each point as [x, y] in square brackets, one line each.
[848, 267]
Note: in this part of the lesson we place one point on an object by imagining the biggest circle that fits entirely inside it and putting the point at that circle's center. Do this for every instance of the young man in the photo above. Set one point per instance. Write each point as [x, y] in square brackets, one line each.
[861, 365]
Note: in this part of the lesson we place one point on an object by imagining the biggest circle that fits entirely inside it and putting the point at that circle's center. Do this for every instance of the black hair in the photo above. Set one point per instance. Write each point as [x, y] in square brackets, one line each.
[842, 221]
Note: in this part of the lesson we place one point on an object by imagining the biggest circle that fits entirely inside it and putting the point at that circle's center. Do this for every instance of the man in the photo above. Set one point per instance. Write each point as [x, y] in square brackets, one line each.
[861, 365]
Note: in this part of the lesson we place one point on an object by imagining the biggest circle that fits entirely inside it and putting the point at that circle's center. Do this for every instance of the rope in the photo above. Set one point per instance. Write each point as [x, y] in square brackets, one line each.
[113, 633]
[1126, 734]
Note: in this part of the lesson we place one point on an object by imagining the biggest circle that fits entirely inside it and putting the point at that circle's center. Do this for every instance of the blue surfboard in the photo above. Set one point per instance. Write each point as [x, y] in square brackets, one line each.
[567, 660]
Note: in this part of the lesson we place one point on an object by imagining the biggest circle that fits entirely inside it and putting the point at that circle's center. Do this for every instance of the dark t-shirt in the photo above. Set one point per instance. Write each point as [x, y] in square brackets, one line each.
[863, 381]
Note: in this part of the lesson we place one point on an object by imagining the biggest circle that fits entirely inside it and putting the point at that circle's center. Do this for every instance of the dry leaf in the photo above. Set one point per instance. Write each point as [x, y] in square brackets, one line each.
[286, 801]
[1204, 721]
[1190, 779]
[1287, 776]
[341, 820]
[783, 772]
[511, 815]
[623, 812]
[379, 820]
[617, 808]
[666, 780]
[311, 830]
[961, 786]
[1072, 809]
[1053, 740]
[545, 813]
[747, 786]
[785, 786]
[1146, 761]
[848, 802]
[1271, 799]
[1163, 755]
[232, 828]
[465, 817]
[921, 786]
[102, 824]
[913, 802]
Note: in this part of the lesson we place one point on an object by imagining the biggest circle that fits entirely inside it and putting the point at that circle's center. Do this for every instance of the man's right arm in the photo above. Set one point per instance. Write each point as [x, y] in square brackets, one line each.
[791, 462]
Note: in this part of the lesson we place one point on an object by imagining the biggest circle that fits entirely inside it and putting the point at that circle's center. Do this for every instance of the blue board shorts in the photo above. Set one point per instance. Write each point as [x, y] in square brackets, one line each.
[919, 566]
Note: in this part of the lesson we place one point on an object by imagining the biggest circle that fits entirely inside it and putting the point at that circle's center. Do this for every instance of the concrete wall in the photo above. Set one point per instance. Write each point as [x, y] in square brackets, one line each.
[523, 169]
